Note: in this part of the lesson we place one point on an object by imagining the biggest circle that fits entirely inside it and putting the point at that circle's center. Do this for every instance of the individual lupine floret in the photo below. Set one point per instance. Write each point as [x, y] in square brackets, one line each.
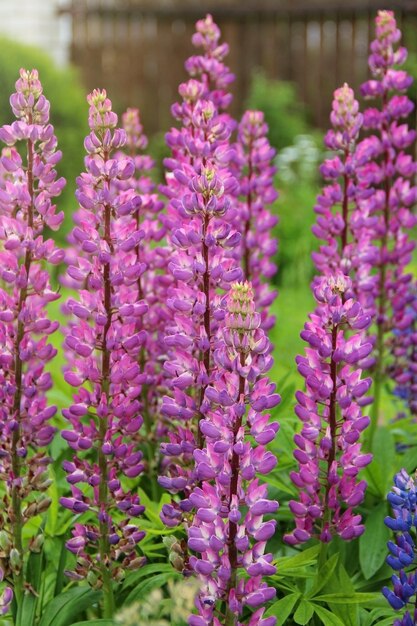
[28, 186]
[254, 220]
[103, 347]
[328, 447]
[389, 172]
[403, 500]
[229, 532]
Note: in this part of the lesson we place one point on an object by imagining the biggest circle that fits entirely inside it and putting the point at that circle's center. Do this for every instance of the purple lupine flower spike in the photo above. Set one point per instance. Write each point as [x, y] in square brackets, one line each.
[201, 239]
[387, 170]
[335, 204]
[328, 448]
[254, 220]
[403, 500]
[229, 533]
[209, 68]
[152, 281]
[404, 348]
[343, 225]
[28, 187]
[103, 346]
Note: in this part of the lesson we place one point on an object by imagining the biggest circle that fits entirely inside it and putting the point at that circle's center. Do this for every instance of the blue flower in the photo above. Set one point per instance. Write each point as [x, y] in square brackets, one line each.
[403, 500]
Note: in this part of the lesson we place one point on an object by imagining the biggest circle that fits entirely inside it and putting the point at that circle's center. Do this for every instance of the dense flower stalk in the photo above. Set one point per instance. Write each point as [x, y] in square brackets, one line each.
[209, 67]
[28, 186]
[333, 226]
[389, 174]
[153, 279]
[103, 345]
[402, 559]
[328, 448]
[228, 531]
[200, 236]
[254, 220]
[343, 222]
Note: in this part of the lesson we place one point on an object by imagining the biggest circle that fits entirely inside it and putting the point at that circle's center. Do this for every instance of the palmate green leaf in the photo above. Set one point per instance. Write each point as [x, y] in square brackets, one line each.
[63, 610]
[67, 519]
[152, 509]
[283, 608]
[150, 529]
[278, 483]
[285, 441]
[142, 589]
[302, 559]
[386, 622]
[373, 543]
[152, 544]
[328, 618]
[323, 576]
[348, 613]
[381, 617]
[304, 613]
[344, 598]
[146, 571]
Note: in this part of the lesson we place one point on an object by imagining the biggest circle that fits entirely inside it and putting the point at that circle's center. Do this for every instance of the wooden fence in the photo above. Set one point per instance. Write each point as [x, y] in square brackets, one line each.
[136, 49]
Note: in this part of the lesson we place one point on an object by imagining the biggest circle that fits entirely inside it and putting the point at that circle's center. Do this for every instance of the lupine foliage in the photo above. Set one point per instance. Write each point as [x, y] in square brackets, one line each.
[170, 431]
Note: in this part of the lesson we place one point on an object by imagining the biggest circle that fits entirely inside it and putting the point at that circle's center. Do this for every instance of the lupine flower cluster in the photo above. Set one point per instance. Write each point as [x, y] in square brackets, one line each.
[103, 345]
[255, 173]
[152, 260]
[388, 174]
[28, 186]
[402, 559]
[206, 400]
[199, 188]
[343, 219]
[330, 409]
[404, 344]
[228, 531]
[335, 227]
[209, 68]
[328, 448]
[370, 182]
